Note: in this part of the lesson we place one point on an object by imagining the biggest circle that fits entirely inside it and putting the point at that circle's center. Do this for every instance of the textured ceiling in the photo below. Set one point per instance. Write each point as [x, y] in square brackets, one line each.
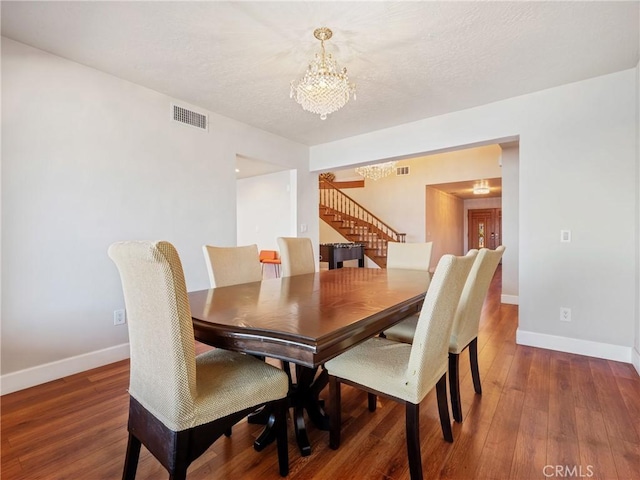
[410, 60]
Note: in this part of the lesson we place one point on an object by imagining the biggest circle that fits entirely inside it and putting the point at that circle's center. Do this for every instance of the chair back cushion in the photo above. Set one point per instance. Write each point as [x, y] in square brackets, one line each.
[467, 317]
[410, 256]
[163, 369]
[232, 265]
[429, 352]
[296, 256]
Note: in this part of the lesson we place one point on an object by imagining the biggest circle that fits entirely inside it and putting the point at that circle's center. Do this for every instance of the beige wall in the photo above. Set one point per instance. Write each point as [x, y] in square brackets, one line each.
[445, 225]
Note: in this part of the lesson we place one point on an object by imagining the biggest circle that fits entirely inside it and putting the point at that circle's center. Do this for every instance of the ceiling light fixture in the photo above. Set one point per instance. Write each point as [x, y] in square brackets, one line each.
[324, 88]
[376, 172]
[481, 188]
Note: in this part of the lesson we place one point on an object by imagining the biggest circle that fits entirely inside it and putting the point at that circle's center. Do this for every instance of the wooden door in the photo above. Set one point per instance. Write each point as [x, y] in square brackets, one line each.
[485, 228]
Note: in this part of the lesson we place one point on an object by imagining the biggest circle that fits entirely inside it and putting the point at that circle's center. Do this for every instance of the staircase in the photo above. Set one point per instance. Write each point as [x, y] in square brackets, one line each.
[356, 223]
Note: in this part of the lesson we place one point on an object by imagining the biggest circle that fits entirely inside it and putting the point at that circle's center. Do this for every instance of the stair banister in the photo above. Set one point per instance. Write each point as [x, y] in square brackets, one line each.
[332, 197]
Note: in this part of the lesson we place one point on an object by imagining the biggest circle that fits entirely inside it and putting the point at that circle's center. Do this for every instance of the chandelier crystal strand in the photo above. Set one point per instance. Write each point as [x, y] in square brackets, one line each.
[324, 88]
[376, 172]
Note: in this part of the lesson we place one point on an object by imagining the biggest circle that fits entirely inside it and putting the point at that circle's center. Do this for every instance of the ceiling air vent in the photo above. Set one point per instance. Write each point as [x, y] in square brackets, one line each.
[402, 170]
[189, 117]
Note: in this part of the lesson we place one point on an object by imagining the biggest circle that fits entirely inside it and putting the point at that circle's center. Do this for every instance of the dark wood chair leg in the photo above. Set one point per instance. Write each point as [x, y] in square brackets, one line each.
[179, 474]
[334, 413]
[413, 440]
[227, 432]
[373, 401]
[281, 436]
[475, 371]
[443, 408]
[454, 386]
[131, 458]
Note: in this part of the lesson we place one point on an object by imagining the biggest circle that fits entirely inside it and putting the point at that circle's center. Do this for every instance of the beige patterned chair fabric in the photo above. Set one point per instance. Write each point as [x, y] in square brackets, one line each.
[467, 317]
[405, 330]
[410, 256]
[409, 372]
[178, 388]
[296, 255]
[232, 265]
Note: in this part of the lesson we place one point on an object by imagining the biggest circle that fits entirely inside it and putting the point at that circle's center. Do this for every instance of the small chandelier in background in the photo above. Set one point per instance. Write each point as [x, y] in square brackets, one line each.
[376, 172]
[481, 188]
[324, 88]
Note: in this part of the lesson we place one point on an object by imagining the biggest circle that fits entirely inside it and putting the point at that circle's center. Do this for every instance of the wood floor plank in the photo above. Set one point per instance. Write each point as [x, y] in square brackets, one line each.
[537, 392]
[469, 440]
[562, 443]
[530, 452]
[595, 451]
[618, 421]
[498, 451]
[626, 455]
[585, 393]
[538, 407]
[630, 390]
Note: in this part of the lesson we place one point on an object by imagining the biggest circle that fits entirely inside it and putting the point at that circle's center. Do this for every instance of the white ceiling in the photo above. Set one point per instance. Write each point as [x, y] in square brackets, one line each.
[410, 60]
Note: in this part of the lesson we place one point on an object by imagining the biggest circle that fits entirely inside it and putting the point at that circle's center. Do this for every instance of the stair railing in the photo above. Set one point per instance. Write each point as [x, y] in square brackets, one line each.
[335, 199]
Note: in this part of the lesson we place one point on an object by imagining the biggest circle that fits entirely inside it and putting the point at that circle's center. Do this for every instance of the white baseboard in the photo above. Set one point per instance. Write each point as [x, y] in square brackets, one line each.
[30, 377]
[607, 351]
[509, 299]
[635, 360]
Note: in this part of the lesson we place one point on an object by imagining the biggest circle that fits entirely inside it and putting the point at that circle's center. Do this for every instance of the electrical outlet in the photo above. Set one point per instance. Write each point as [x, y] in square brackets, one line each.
[565, 314]
[119, 317]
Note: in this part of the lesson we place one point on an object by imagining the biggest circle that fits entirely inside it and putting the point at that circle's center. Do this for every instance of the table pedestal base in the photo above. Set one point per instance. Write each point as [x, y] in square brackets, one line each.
[303, 395]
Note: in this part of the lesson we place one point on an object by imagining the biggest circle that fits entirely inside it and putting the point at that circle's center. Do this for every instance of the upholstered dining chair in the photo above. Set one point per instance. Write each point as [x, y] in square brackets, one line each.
[409, 256]
[232, 265]
[296, 255]
[465, 325]
[181, 403]
[402, 372]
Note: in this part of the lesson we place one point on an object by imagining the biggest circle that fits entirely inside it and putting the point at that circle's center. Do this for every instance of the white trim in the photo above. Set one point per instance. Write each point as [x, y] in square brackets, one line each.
[619, 353]
[30, 377]
[510, 299]
[635, 360]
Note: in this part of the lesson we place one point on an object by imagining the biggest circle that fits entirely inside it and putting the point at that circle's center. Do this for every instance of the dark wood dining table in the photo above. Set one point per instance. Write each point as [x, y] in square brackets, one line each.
[306, 320]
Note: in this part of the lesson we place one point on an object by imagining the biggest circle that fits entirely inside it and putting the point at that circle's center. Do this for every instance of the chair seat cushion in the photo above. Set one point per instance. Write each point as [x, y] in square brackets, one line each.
[379, 364]
[403, 331]
[229, 382]
[406, 329]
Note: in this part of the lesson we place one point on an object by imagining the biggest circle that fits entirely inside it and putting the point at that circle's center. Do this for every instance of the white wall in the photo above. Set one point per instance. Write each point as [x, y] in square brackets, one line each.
[636, 353]
[577, 171]
[510, 223]
[89, 159]
[266, 209]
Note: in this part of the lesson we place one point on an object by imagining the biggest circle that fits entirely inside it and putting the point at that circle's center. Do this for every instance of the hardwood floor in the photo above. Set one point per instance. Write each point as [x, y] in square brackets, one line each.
[538, 408]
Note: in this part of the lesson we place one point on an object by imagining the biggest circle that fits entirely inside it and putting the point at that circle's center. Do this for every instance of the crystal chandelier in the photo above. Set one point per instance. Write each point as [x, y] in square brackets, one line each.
[376, 172]
[481, 188]
[324, 88]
